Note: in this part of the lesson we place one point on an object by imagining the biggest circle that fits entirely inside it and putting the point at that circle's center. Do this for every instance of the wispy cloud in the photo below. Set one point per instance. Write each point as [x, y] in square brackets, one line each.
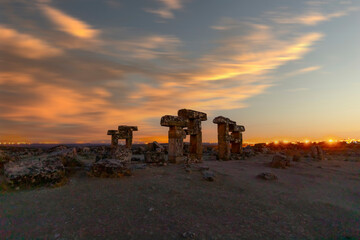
[25, 45]
[69, 24]
[167, 8]
[75, 91]
[303, 71]
[310, 17]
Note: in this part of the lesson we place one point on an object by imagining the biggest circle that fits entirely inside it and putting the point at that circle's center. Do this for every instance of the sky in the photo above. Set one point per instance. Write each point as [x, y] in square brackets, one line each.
[72, 69]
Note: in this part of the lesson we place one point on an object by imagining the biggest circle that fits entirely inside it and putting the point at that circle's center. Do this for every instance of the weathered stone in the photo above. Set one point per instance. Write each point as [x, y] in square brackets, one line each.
[34, 172]
[208, 175]
[191, 120]
[194, 130]
[227, 143]
[191, 114]
[155, 147]
[280, 161]
[155, 157]
[110, 168]
[123, 132]
[169, 121]
[267, 176]
[248, 152]
[317, 153]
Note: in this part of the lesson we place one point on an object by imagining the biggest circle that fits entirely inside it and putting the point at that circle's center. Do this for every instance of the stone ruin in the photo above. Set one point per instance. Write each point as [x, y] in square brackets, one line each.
[155, 154]
[188, 122]
[123, 132]
[115, 162]
[228, 143]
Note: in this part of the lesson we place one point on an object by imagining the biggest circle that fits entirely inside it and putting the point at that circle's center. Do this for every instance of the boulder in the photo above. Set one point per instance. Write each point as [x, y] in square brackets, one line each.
[68, 157]
[34, 172]
[280, 161]
[317, 153]
[110, 168]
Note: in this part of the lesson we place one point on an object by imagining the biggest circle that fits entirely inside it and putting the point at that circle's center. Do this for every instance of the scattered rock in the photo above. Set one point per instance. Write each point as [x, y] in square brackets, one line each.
[34, 172]
[208, 175]
[267, 176]
[154, 157]
[110, 168]
[280, 161]
[248, 152]
[188, 235]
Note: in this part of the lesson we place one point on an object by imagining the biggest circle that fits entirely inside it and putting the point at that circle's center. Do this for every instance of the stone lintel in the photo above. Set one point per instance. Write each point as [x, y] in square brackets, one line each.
[239, 128]
[168, 121]
[191, 114]
[127, 128]
[112, 132]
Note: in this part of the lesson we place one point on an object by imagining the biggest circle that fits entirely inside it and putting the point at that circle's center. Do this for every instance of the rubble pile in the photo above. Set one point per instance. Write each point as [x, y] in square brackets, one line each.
[34, 172]
[115, 162]
[155, 153]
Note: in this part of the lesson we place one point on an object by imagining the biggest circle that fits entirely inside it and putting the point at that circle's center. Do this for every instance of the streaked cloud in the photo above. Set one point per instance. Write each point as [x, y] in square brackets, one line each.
[69, 24]
[304, 70]
[311, 17]
[167, 8]
[25, 45]
[78, 88]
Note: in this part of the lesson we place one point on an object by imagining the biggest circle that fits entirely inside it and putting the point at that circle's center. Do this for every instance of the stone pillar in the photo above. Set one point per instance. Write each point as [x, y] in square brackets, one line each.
[225, 125]
[114, 138]
[194, 119]
[176, 137]
[126, 132]
[237, 139]
[123, 132]
[224, 139]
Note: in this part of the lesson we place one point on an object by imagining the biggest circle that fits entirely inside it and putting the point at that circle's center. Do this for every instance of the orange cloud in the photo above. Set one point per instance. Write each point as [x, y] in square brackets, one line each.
[25, 45]
[69, 24]
[167, 7]
[312, 17]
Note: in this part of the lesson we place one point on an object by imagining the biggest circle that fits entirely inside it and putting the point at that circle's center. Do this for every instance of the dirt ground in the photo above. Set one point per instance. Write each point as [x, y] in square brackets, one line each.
[310, 200]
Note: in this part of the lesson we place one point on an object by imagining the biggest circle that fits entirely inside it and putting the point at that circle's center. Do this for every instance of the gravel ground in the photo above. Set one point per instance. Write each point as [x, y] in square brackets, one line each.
[310, 200]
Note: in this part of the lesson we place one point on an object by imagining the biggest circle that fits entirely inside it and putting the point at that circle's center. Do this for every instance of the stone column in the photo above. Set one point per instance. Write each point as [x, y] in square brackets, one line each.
[126, 132]
[114, 138]
[237, 139]
[194, 130]
[224, 125]
[176, 137]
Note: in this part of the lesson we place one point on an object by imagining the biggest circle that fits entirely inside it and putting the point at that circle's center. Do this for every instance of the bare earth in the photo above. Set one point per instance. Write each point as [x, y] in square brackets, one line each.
[310, 200]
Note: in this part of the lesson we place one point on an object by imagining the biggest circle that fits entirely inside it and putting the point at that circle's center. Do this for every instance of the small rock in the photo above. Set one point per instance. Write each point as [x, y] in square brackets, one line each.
[267, 176]
[209, 175]
[189, 235]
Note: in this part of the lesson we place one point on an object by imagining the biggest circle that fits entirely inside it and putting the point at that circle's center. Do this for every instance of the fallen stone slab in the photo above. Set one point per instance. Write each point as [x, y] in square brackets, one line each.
[110, 168]
[34, 172]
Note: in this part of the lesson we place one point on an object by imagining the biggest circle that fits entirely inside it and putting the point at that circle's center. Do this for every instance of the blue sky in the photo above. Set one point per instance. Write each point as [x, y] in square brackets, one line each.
[70, 70]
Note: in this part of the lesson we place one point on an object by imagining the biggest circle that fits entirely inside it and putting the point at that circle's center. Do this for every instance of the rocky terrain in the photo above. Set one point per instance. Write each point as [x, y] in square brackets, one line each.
[275, 191]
